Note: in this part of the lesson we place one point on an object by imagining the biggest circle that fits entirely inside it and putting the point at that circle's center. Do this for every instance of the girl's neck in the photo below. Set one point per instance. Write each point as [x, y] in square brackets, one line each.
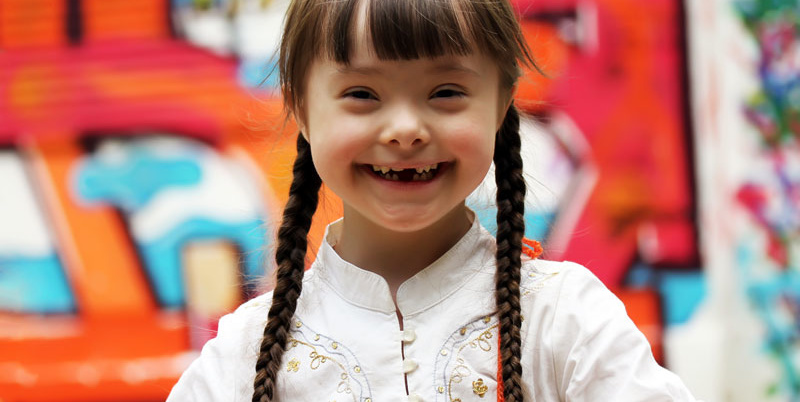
[397, 256]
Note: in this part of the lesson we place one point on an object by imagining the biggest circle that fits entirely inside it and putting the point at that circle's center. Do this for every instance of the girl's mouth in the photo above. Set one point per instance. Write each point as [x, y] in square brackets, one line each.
[421, 173]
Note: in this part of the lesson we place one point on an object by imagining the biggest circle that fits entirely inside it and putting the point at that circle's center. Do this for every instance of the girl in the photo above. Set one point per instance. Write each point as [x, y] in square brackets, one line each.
[402, 106]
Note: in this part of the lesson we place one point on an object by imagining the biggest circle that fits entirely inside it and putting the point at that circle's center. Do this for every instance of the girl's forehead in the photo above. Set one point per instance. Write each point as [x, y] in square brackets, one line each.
[398, 30]
[366, 64]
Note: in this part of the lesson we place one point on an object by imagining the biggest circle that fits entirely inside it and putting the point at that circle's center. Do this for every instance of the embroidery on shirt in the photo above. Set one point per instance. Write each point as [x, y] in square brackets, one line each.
[479, 388]
[451, 367]
[322, 350]
[533, 279]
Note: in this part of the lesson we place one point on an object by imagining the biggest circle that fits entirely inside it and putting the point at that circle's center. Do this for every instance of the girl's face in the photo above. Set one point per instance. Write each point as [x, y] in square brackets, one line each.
[402, 142]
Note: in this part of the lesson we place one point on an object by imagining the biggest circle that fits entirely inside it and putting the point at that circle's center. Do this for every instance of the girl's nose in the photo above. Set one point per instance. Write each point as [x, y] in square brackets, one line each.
[405, 129]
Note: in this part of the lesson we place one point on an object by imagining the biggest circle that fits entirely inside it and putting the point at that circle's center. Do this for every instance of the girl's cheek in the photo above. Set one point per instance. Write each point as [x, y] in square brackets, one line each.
[340, 139]
[468, 132]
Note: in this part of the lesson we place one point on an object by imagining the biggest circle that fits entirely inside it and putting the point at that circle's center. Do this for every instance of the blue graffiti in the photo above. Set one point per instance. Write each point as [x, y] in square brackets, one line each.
[766, 295]
[140, 176]
[537, 224]
[134, 181]
[259, 74]
[680, 291]
[162, 257]
[34, 285]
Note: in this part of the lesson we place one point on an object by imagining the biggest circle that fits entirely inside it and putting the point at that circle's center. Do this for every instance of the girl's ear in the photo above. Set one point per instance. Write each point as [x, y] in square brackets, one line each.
[300, 120]
[506, 99]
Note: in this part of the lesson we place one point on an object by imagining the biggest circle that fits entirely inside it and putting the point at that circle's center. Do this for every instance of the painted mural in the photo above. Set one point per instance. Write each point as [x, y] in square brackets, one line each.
[144, 161]
[745, 61]
[770, 193]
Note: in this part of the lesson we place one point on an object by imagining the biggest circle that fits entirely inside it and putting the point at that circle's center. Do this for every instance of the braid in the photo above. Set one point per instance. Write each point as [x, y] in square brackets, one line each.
[510, 230]
[290, 258]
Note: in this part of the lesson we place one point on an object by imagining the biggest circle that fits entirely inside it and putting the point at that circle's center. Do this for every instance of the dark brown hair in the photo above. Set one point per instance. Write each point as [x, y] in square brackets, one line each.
[399, 30]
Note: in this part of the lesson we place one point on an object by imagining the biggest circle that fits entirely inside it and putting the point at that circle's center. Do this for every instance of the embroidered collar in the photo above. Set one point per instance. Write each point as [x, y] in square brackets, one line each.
[472, 253]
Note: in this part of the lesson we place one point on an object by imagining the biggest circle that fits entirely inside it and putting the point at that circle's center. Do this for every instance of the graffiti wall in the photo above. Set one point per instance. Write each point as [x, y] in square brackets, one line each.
[141, 176]
[608, 152]
[144, 161]
[746, 65]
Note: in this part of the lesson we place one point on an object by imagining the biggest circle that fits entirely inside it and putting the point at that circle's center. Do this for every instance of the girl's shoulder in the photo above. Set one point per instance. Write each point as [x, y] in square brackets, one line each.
[255, 305]
[561, 291]
[538, 274]
[224, 369]
[254, 311]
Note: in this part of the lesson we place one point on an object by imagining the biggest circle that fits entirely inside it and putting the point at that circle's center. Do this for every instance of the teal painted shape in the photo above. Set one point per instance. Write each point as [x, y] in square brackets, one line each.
[681, 294]
[680, 291]
[34, 285]
[162, 257]
[259, 74]
[766, 293]
[640, 276]
[537, 225]
[133, 182]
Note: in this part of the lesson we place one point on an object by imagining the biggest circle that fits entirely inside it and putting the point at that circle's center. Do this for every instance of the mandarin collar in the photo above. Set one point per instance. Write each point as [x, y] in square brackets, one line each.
[428, 287]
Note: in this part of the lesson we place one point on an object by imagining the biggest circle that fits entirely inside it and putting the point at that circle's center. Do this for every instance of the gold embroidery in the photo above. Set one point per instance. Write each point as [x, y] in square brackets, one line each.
[317, 359]
[481, 341]
[487, 319]
[357, 369]
[539, 281]
[335, 345]
[463, 331]
[479, 388]
[316, 337]
[298, 324]
[293, 365]
[440, 389]
[461, 371]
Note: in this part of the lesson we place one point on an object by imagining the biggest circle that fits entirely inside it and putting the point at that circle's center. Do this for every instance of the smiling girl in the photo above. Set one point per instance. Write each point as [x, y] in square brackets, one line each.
[402, 106]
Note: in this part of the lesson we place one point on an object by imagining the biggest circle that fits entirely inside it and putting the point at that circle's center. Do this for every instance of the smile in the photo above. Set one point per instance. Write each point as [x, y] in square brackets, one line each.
[420, 173]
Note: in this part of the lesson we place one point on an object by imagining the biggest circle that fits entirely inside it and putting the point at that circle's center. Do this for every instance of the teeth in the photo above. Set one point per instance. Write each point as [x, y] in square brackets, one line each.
[422, 176]
[427, 168]
[423, 172]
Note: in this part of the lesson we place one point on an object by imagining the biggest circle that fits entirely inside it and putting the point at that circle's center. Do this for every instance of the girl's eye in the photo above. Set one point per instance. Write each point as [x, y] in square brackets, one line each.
[447, 93]
[360, 94]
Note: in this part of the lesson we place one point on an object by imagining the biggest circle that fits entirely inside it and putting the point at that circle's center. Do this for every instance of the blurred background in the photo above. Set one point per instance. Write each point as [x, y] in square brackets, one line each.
[144, 162]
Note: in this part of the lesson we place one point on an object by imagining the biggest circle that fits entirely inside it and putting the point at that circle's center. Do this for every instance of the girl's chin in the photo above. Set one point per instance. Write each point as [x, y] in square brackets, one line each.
[410, 220]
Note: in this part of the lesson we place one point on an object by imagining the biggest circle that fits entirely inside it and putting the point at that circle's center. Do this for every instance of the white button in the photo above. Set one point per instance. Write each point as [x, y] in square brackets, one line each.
[414, 398]
[409, 335]
[409, 365]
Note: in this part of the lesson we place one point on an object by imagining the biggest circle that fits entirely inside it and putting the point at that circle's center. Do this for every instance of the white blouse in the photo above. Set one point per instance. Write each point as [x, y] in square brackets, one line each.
[578, 344]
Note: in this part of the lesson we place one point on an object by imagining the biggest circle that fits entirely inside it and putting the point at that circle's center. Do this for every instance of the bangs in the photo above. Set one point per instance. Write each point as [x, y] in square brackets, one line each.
[399, 29]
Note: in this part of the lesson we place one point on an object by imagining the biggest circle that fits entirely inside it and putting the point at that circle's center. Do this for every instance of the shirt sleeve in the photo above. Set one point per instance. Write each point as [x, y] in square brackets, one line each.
[600, 355]
[225, 369]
